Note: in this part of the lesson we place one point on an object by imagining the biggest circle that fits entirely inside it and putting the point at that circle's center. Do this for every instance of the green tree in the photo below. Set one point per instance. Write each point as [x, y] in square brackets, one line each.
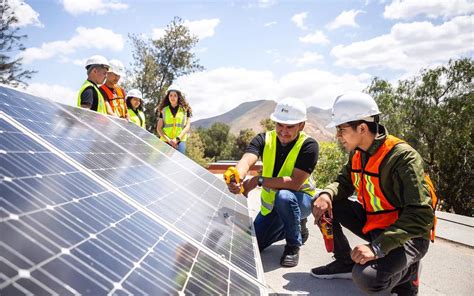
[195, 149]
[434, 112]
[331, 159]
[389, 104]
[241, 142]
[11, 71]
[218, 141]
[157, 63]
[267, 124]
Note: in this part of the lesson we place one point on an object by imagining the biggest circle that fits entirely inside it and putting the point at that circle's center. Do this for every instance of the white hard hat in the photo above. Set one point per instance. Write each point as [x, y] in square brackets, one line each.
[135, 93]
[117, 67]
[97, 60]
[289, 111]
[353, 106]
[174, 87]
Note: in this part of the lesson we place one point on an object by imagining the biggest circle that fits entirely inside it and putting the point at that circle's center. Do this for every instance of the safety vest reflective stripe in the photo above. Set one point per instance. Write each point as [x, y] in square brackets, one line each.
[173, 125]
[116, 100]
[100, 104]
[268, 159]
[135, 118]
[356, 182]
[374, 200]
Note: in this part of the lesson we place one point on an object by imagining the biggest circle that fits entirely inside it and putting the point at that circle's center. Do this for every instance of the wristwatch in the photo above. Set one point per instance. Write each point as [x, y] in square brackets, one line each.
[178, 139]
[260, 181]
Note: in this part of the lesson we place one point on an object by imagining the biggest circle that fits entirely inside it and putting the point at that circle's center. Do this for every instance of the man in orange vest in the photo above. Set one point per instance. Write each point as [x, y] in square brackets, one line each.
[393, 211]
[115, 95]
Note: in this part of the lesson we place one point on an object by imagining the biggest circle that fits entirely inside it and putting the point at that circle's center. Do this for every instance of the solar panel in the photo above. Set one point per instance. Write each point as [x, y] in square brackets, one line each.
[91, 204]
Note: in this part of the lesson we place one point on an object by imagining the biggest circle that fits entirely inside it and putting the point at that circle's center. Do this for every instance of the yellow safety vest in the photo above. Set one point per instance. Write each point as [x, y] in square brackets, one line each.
[268, 159]
[173, 125]
[135, 118]
[100, 105]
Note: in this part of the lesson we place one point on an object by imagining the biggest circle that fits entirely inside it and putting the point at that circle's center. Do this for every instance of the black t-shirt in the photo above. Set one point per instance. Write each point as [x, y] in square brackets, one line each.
[174, 110]
[90, 97]
[306, 160]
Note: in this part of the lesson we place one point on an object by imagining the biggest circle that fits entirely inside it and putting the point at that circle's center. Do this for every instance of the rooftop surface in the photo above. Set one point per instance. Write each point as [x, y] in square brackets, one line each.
[447, 269]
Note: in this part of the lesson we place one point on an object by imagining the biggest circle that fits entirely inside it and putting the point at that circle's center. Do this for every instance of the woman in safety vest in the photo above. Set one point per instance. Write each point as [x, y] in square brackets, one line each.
[135, 107]
[173, 119]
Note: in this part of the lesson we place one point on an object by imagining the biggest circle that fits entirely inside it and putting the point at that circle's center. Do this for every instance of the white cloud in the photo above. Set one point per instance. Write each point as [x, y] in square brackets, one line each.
[410, 46]
[157, 33]
[406, 9]
[345, 19]
[266, 3]
[317, 37]
[308, 57]
[76, 7]
[229, 87]
[98, 38]
[275, 54]
[25, 14]
[203, 28]
[269, 24]
[54, 92]
[298, 19]
[320, 88]
[77, 62]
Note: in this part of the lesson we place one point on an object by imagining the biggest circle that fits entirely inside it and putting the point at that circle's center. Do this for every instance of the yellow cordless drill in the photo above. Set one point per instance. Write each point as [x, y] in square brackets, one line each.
[232, 175]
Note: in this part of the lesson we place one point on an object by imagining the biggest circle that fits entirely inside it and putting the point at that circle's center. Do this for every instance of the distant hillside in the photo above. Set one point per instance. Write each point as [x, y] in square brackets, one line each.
[249, 115]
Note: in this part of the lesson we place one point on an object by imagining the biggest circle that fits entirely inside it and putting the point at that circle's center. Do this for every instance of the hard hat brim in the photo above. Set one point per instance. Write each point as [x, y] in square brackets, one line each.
[335, 123]
[275, 119]
[116, 73]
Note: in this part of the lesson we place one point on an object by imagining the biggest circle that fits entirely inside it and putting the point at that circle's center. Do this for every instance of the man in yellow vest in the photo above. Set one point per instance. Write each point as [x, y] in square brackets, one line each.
[89, 95]
[113, 94]
[393, 211]
[289, 157]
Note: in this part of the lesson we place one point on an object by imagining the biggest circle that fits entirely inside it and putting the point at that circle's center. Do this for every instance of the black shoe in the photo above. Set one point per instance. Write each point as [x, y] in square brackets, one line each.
[290, 256]
[410, 287]
[338, 269]
[304, 230]
[405, 289]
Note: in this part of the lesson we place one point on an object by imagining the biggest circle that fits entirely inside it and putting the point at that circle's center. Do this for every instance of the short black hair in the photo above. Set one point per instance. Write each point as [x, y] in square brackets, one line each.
[373, 126]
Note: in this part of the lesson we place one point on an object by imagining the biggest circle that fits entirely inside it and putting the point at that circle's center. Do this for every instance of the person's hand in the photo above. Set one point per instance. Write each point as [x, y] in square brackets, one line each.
[174, 143]
[249, 185]
[322, 205]
[234, 187]
[362, 254]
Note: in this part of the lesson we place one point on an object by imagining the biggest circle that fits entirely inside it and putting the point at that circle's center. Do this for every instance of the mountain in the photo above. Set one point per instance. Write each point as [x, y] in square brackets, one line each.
[249, 115]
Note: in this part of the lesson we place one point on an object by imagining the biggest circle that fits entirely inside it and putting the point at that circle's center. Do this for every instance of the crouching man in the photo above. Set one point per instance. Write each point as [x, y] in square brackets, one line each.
[394, 210]
[289, 157]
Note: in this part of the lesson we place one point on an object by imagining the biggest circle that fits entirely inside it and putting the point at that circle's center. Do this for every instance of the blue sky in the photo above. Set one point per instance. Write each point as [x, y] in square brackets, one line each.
[313, 50]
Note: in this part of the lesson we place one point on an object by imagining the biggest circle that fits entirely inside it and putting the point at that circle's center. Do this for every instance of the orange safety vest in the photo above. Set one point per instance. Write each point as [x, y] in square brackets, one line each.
[380, 213]
[116, 100]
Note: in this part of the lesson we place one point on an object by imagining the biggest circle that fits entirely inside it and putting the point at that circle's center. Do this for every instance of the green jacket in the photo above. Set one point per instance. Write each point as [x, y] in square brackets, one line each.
[402, 181]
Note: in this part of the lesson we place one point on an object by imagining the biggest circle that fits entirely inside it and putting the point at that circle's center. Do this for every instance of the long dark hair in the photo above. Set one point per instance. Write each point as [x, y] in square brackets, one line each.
[181, 102]
[129, 104]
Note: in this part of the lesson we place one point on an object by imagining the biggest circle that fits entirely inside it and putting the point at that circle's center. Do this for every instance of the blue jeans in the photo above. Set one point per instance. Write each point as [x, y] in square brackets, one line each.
[283, 222]
[182, 147]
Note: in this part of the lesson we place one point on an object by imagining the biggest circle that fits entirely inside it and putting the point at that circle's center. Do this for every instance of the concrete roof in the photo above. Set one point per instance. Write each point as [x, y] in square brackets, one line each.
[447, 269]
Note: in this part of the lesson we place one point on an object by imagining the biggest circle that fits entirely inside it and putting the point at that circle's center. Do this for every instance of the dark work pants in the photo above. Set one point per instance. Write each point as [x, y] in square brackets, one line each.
[381, 275]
